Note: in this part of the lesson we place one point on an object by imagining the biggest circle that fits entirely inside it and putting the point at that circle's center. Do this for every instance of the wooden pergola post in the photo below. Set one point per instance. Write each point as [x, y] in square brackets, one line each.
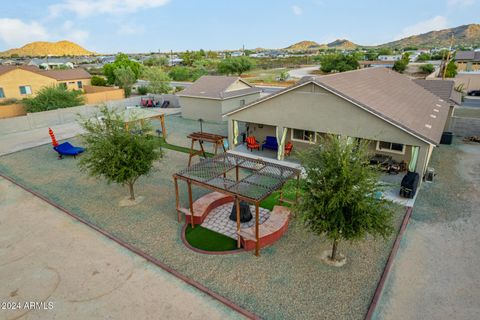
[190, 202]
[162, 123]
[177, 202]
[237, 203]
[257, 234]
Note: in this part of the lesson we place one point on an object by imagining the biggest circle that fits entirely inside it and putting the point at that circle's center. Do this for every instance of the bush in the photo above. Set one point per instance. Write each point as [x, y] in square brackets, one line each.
[427, 68]
[179, 73]
[337, 62]
[143, 90]
[98, 81]
[400, 65]
[236, 65]
[159, 80]
[451, 71]
[55, 97]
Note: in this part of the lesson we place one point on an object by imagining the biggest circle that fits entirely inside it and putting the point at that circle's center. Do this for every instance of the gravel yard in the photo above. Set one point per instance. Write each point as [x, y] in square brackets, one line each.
[286, 282]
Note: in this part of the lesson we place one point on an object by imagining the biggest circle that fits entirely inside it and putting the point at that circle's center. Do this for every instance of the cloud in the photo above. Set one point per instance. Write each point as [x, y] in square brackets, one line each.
[88, 8]
[15, 32]
[436, 23]
[460, 3]
[72, 33]
[297, 10]
[130, 30]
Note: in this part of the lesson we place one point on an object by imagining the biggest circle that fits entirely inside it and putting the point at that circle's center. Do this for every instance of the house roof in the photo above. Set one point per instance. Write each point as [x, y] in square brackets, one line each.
[216, 87]
[445, 89]
[387, 94]
[467, 55]
[60, 75]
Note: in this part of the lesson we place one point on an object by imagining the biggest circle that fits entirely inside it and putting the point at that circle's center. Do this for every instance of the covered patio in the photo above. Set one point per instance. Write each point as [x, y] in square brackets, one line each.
[259, 180]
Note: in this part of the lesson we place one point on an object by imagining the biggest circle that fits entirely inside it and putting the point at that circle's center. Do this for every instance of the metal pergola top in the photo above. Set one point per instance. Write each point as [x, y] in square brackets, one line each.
[265, 177]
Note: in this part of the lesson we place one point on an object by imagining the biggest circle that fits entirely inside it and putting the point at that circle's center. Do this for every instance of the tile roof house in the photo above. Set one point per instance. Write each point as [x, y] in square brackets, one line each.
[18, 82]
[467, 60]
[400, 118]
[211, 96]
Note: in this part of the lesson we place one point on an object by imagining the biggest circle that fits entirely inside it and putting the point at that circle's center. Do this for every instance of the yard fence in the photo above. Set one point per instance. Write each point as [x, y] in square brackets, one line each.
[465, 126]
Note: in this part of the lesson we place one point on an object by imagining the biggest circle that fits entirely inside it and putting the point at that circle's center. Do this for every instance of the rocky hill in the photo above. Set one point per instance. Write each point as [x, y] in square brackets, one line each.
[42, 49]
[304, 46]
[342, 44]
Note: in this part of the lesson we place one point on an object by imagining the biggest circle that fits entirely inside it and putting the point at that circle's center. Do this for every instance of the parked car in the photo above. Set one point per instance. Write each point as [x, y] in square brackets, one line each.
[474, 93]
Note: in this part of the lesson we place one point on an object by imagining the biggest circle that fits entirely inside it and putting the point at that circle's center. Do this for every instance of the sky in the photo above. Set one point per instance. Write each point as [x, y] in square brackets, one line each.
[111, 26]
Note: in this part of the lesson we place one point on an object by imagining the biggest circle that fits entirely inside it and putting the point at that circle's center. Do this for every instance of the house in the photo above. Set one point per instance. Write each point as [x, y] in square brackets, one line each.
[18, 82]
[393, 58]
[467, 60]
[399, 117]
[211, 96]
[51, 63]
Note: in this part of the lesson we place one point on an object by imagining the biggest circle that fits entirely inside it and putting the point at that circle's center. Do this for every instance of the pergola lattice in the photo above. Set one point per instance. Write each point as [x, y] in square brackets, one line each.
[263, 179]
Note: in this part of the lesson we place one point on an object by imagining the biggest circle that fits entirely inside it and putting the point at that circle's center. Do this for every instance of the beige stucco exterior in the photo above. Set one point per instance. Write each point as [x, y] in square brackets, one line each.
[212, 109]
[467, 66]
[312, 108]
[11, 81]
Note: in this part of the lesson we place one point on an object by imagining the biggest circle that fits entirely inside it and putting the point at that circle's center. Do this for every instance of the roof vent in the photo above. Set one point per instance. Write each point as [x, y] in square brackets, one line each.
[429, 126]
[441, 100]
[433, 116]
[438, 105]
[436, 110]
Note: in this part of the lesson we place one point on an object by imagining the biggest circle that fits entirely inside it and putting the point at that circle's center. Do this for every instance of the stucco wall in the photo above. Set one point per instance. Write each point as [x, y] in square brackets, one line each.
[11, 81]
[197, 108]
[234, 103]
[12, 110]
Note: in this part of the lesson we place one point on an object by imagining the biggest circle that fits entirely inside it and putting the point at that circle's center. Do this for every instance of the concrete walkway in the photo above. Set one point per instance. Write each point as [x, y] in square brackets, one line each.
[302, 72]
[46, 256]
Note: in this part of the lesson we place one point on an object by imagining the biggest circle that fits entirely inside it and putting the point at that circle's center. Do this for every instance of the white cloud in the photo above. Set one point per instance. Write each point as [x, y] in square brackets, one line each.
[88, 8]
[72, 33]
[15, 32]
[297, 10]
[460, 3]
[130, 30]
[436, 23]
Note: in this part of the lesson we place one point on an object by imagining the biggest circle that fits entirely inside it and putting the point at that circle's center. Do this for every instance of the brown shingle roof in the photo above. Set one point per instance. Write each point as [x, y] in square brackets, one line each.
[444, 89]
[387, 94]
[473, 56]
[60, 75]
[214, 87]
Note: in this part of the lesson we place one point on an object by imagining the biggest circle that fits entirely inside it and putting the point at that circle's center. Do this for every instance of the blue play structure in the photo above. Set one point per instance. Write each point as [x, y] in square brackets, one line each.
[270, 143]
[66, 149]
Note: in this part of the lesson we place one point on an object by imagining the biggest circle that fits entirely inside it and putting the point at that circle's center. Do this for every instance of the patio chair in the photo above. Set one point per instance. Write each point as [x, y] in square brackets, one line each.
[270, 143]
[66, 149]
[143, 102]
[288, 148]
[252, 143]
[165, 104]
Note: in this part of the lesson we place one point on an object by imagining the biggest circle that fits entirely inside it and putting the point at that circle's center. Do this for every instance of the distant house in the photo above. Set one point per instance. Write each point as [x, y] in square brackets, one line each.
[398, 117]
[51, 63]
[18, 82]
[393, 58]
[467, 60]
[211, 96]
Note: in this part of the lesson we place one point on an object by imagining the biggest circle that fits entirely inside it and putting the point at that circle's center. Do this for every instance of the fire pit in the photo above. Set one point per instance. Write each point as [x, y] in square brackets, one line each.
[245, 214]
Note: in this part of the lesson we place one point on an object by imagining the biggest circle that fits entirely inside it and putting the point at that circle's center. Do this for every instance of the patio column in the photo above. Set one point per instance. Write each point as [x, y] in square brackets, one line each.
[412, 166]
[281, 133]
[235, 132]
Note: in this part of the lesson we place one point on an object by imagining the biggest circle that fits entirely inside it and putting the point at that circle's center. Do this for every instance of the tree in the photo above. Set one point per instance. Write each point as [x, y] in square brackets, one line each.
[98, 81]
[156, 61]
[385, 51]
[401, 65]
[338, 196]
[371, 55]
[427, 68]
[121, 61]
[451, 71]
[54, 97]
[116, 154]
[338, 62]
[424, 57]
[235, 65]
[159, 81]
[125, 78]
[179, 73]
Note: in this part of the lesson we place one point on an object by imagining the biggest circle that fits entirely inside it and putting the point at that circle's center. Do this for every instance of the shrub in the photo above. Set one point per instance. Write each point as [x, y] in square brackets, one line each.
[55, 97]
[98, 81]
[179, 73]
[400, 65]
[427, 68]
[143, 90]
[337, 62]
[159, 81]
[451, 71]
[125, 78]
[236, 65]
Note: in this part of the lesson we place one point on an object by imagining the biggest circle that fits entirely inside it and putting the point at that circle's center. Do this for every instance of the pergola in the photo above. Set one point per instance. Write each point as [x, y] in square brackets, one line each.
[262, 180]
[140, 115]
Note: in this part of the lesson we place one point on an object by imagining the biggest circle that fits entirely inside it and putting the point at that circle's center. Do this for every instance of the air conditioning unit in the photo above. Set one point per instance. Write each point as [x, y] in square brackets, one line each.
[430, 174]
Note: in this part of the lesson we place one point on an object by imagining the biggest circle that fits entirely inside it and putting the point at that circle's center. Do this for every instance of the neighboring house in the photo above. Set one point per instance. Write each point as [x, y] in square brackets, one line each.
[400, 118]
[393, 58]
[211, 96]
[25, 81]
[375, 64]
[467, 60]
[51, 63]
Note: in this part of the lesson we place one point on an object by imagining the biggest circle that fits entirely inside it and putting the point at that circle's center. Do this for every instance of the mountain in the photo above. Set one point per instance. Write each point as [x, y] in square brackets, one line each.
[304, 45]
[342, 44]
[466, 35]
[42, 49]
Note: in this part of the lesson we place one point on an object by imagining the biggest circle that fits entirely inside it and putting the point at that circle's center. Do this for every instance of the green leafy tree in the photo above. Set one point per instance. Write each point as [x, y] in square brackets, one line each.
[54, 97]
[121, 61]
[98, 81]
[338, 196]
[156, 61]
[179, 73]
[427, 68]
[142, 90]
[371, 55]
[400, 65]
[451, 71]
[424, 57]
[159, 81]
[116, 154]
[189, 57]
[236, 65]
[338, 62]
[125, 79]
[384, 51]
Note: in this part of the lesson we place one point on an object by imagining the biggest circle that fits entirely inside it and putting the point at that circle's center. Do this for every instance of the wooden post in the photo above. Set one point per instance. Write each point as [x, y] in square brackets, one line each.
[191, 153]
[176, 198]
[237, 203]
[164, 130]
[203, 150]
[216, 148]
[190, 201]
[236, 172]
[257, 234]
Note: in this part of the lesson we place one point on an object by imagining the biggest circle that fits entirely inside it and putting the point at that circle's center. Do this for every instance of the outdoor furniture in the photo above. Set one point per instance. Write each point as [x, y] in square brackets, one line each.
[165, 104]
[409, 185]
[202, 137]
[252, 143]
[288, 148]
[380, 159]
[270, 143]
[66, 149]
[130, 116]
[245, 213]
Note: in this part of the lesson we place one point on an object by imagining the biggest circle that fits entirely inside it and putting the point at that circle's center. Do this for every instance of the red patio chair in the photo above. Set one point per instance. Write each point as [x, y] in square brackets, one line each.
[252, 143]
[288, 148]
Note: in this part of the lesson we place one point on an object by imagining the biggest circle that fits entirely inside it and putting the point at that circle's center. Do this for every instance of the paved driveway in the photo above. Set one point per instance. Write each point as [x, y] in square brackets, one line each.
[46, 256]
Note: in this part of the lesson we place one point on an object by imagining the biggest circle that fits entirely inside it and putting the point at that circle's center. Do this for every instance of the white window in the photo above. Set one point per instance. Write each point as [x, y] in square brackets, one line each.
[391, 147]
[242, 102]
[304, 136]
[25, 90]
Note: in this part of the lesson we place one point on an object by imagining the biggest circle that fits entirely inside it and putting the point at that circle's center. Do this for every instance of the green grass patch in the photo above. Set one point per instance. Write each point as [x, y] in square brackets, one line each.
[208, 240]
[173, 147]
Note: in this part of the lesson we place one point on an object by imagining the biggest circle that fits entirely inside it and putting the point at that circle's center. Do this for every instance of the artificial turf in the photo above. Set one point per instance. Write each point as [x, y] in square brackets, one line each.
[208, 240]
